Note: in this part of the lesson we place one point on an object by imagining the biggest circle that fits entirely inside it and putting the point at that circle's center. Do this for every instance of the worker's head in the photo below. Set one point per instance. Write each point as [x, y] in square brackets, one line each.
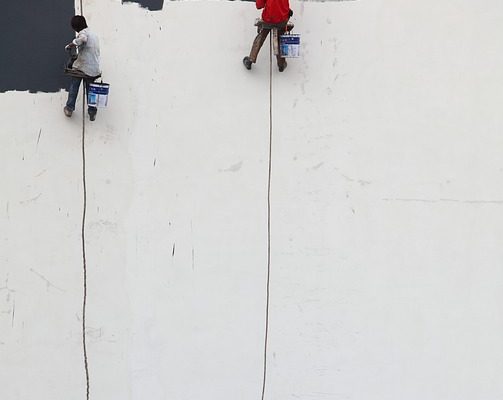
[78, 23]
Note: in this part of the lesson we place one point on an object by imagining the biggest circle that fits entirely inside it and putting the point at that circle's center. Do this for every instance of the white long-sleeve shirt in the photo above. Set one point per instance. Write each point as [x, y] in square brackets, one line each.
[88, 60]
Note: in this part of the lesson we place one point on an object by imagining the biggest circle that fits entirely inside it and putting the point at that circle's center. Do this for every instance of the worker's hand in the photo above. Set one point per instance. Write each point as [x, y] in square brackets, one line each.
[290, 13]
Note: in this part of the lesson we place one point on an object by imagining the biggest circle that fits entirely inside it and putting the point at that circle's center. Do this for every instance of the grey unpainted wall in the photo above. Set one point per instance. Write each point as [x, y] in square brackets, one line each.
[152, 5]
[33, 37]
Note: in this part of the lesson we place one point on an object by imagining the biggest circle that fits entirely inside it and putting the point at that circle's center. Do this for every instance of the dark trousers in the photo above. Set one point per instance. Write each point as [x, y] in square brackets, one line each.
[264, 30]
[73, 92]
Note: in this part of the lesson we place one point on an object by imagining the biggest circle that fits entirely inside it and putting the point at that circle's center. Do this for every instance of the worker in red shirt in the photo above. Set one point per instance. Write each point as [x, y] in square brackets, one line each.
[275, 15]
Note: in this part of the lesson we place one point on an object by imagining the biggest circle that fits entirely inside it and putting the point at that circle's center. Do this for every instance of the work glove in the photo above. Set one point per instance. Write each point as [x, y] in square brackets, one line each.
[290, 13]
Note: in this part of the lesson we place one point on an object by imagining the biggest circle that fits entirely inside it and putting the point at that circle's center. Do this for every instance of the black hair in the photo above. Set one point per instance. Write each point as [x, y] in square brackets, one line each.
[78, 23]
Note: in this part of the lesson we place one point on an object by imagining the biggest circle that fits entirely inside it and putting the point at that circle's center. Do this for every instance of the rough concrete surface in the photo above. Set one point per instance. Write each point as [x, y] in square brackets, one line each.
[386, 210]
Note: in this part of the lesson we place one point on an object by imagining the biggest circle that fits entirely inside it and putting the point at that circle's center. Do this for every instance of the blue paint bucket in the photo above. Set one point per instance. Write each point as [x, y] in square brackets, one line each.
[98, 95]
[289, 45]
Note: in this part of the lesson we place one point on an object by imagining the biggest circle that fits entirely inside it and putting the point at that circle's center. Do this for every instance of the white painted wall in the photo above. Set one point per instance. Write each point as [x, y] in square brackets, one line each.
[386, 217]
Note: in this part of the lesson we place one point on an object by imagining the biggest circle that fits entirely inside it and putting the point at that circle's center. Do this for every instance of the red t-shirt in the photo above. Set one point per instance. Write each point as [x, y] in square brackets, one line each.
[275, 11]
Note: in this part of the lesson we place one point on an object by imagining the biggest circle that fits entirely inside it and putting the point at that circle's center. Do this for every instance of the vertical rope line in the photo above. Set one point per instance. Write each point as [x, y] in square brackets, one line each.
[83, 232]
[84, 301]
[266, 338]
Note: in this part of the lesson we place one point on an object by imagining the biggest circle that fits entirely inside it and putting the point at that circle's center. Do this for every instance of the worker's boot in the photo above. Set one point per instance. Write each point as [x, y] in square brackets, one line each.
[247, 62]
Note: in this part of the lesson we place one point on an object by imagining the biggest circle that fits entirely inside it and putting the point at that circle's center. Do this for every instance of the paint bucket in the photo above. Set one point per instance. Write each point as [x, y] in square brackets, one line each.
[98, 95]
[290, 45]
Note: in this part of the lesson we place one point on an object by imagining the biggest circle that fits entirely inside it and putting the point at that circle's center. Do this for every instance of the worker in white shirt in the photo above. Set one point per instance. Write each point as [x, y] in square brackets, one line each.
[87, 65]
